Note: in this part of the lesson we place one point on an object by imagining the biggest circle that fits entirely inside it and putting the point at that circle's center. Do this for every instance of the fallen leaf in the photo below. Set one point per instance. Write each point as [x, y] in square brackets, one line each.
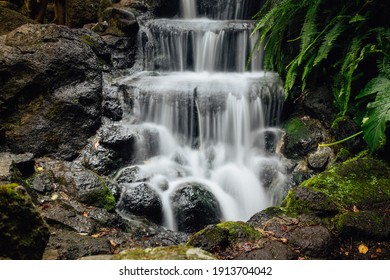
[85, 214]
[355, 209]
[284, 240]
[379, 250]
[113, 243]
[54, 197]
[363, 249]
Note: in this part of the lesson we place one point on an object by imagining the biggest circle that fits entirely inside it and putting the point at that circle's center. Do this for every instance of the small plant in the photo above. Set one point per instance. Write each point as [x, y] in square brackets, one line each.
[340, 43]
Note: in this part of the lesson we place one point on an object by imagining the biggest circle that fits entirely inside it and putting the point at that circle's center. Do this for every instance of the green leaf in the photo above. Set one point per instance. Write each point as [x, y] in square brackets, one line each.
[378, 112]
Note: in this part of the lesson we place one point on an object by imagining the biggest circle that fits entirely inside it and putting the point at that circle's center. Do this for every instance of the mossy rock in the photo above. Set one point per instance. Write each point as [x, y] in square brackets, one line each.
[363, 182]
[301, 200]
[219, 237]
[179, 252]
[23, 232]
[302, 137]
[364, 224]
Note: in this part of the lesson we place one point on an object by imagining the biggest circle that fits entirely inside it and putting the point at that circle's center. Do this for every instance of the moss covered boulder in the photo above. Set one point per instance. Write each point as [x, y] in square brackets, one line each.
[179, 252]
[351, 197]
[363, 182]
[216, 238]
[23, 232]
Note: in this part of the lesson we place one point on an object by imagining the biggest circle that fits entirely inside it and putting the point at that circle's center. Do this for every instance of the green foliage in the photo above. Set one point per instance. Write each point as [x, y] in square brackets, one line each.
[316, 42]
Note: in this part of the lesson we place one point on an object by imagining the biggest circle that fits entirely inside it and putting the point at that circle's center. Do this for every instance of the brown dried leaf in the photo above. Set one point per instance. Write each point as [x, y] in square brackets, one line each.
[363, 249]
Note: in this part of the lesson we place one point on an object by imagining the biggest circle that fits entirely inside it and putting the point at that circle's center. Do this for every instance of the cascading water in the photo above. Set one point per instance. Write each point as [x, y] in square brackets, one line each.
[209, 115]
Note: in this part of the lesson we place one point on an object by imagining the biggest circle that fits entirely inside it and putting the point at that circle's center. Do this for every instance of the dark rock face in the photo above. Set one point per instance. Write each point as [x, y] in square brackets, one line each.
[23, 232]
[74, 181]
[142, 200]
[194, 207]
[50, 98]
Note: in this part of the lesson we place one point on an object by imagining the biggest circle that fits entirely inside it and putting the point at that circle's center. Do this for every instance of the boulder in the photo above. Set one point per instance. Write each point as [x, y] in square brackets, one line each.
[142, 200]
[194, 207]
[74, 182]
[23, 232]
[302, 136]
[50, 91]
[118, 22]
[223, 236]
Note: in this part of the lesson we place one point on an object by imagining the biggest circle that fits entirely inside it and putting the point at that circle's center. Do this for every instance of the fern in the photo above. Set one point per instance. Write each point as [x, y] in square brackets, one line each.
[329, 40]
[309, 30]
[332, 42]
[378, 112]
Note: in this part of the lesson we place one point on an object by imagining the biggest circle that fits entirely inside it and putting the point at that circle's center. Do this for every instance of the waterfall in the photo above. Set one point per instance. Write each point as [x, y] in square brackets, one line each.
[209, 108]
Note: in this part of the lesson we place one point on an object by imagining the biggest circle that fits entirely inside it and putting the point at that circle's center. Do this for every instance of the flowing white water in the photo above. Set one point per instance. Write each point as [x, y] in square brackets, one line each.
[210, 111]
[188, 8]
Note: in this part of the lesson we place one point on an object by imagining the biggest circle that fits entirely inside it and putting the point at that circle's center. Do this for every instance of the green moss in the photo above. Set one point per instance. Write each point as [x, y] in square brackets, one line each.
[88, 40]
[9, 191]
[23, 232]
[296, 129]
[354, 182]
[179, 252]
[103, 198]
[364, 224]
[224, 235]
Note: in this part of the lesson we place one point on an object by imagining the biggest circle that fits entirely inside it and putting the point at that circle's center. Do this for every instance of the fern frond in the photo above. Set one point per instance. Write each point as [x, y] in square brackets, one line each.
[309, 29]
[328, 42]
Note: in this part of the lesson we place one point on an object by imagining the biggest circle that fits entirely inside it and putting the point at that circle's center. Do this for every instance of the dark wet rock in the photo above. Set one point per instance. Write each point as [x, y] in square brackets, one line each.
[123, 50]
[220, 237]
[96, 43]
[131, 174]
[51, 91]
[119, 22]
[10, 20]
[315, 241]
[302, 137]
[138, 226]
[142, 200]
[68, 218]
[114, 146]
[269, 250]
[258, 219]
[23, 232]
[194, 207]
[320, 159]
[112, 109]
[43, 182]
[119, 138]
[365, 224]
[69, 245]
[166, 238]
[99, 159]
[76, 182]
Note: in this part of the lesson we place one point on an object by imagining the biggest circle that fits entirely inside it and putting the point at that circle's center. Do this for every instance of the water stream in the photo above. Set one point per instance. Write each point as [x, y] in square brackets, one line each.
[213, 115]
